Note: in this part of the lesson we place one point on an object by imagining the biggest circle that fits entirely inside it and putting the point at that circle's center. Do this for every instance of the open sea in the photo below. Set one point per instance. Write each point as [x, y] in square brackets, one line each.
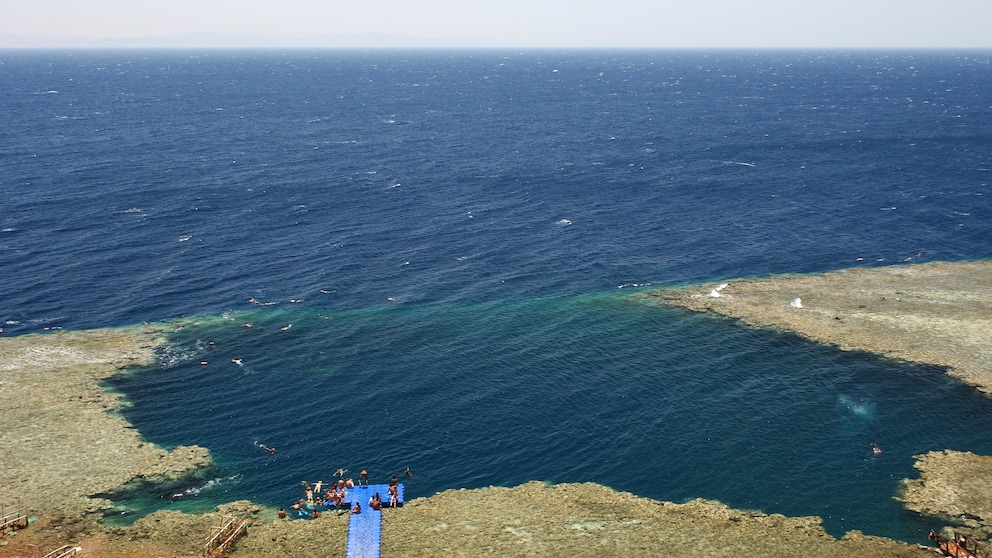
[440, 247]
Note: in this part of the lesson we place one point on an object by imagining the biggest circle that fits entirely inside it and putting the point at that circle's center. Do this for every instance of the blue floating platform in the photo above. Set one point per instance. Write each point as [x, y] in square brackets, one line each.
[362, 494]
[365, 529]
[365, 534]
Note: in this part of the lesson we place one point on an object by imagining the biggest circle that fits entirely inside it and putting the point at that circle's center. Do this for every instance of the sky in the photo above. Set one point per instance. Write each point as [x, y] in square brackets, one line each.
[514, 23]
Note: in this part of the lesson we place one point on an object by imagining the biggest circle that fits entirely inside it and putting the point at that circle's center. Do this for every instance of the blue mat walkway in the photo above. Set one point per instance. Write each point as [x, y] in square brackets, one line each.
[364, 529]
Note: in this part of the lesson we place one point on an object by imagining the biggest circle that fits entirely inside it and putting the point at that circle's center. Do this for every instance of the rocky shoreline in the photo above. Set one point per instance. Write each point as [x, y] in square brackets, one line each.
[63, 440]
[63, 435]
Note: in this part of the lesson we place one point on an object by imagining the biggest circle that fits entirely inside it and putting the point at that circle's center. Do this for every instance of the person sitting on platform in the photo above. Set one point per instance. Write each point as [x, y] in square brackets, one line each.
[357, 509]
[375, 502]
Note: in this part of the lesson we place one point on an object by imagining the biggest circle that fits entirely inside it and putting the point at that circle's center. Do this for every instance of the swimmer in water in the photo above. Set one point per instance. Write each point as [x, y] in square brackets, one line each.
[236, 361]
[875, 449]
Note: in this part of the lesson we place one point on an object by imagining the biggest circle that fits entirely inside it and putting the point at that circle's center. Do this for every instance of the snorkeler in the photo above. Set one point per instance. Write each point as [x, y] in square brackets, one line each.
[265, 447]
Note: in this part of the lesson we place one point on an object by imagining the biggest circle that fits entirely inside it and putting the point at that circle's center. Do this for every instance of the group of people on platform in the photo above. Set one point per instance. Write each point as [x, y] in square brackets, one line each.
[334, 495]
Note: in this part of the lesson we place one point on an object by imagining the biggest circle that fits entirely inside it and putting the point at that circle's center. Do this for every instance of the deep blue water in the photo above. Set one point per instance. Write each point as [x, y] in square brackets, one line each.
[455, 225]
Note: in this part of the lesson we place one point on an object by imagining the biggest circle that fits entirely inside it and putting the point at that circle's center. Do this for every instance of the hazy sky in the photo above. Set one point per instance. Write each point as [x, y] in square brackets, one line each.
[522, 23]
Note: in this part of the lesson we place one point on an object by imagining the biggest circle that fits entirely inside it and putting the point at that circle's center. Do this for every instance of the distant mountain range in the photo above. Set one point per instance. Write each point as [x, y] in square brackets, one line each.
[246, 40]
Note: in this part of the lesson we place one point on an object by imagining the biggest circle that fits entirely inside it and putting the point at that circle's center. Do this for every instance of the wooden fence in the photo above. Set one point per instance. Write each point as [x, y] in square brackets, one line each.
[222, 536]
[12, 520]
[64, 552]
[959, 546]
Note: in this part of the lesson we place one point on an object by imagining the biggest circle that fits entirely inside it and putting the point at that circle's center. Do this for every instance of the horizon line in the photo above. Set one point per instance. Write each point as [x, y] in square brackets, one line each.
[211, 40]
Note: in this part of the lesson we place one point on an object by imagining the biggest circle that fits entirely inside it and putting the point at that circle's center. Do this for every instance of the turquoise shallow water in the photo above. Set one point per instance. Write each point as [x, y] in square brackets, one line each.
[456, 224]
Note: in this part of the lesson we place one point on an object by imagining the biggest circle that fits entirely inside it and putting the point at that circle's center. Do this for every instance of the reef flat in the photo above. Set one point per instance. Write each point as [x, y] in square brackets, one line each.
[533, 519]
[955, 485]
[62, 441]
[936, 313]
